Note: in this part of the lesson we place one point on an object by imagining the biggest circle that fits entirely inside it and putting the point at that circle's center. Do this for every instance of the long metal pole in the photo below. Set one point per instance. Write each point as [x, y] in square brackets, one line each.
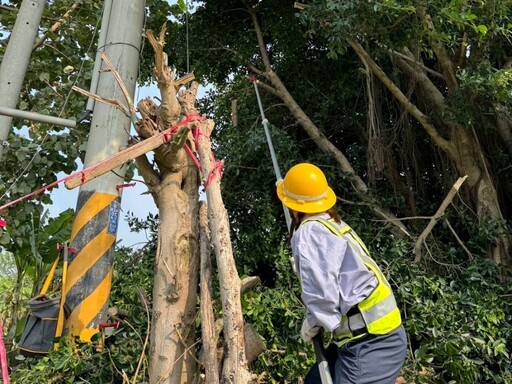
[94, 229]
[272, 152]
[16, 58]
[323, 366]
[37, 117]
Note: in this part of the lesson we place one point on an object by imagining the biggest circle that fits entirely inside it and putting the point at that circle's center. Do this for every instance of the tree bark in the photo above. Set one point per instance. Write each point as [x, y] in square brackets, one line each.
[209, 336]
[175, 284]
[235, 368]
[173, 180]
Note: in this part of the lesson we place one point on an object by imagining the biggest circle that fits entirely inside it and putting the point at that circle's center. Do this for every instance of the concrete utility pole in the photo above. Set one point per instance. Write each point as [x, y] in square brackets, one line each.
[95, 226]
[16, 58]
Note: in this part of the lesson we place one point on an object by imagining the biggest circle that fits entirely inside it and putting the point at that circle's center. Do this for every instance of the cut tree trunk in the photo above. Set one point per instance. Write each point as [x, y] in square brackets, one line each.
[173, 180]
[209, 336]
[235, 368]
[175, 284]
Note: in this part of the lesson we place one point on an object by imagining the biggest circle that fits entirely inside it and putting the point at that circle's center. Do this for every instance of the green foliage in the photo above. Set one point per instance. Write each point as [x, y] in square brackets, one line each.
[61, 366]
[277, 315]
[458, 325]
[76, 362]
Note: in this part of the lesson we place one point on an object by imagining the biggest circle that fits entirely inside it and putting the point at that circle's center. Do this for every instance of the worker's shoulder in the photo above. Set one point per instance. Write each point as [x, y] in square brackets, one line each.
[318, 229]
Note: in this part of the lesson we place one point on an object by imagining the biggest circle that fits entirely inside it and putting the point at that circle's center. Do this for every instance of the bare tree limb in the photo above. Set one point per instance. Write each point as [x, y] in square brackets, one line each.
[57, 25]
[448, 199]
[461, 243]
[105, 100]
[119, 82]
[235, 368]
[10, 9]
[209, 336]
[418, 64]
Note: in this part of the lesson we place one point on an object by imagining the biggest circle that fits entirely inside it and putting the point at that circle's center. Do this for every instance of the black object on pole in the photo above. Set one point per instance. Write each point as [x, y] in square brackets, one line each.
[323, 365]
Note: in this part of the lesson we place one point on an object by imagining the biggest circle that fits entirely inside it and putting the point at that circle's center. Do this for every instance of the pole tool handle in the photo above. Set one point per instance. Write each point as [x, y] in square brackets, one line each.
[323, 365]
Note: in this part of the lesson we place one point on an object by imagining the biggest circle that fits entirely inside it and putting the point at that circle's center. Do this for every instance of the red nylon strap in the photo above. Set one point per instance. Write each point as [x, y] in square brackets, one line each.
[72, 250]
[188, 119]
[121, 186]
[216, 171]
[34, 193]
[193, 157]
[102, 326]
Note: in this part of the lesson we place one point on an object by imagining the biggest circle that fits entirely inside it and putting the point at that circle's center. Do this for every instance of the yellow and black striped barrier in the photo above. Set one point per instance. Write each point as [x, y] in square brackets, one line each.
[90, 269]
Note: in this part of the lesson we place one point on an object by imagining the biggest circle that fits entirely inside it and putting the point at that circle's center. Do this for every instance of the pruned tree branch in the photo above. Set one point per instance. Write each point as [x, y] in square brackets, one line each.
[119, 82]
[418, 64]
[249, 283]
[209, 335]
[105, 100]
[448, 199]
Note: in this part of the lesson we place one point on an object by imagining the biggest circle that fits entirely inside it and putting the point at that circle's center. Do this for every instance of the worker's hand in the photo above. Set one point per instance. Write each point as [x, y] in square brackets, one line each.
[307, 332]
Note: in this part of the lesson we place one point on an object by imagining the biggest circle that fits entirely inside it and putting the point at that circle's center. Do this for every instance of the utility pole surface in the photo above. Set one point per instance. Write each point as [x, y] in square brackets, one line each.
[16, 58]
[98, 208]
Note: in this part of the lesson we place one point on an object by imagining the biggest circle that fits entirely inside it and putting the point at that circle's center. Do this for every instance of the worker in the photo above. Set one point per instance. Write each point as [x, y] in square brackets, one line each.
[343, 289]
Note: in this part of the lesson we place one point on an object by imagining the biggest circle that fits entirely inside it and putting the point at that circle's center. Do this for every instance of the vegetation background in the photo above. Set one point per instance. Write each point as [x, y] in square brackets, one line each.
[394, 100]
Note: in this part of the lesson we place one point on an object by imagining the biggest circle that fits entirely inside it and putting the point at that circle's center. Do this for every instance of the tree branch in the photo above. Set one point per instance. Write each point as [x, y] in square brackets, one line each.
[418, 64]
[105, 100]
[444, 60]
[57, 25]
[119, 82]
[399, 95]
[266, 88]
[448, 199]
[146, 170]
[459, 240]
[261, 41]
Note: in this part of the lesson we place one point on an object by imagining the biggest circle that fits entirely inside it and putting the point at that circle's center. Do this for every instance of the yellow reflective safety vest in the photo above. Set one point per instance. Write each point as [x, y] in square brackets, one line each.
[378, 314]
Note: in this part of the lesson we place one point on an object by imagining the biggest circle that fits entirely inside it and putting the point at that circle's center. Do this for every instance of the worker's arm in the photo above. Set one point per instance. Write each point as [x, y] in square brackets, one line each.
[319, 258]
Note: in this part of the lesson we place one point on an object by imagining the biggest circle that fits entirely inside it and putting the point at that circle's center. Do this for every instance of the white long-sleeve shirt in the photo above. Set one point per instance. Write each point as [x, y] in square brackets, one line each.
[332, 276]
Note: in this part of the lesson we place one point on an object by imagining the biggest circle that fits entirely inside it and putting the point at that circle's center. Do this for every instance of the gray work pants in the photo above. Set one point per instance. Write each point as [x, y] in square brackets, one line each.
[373, 360]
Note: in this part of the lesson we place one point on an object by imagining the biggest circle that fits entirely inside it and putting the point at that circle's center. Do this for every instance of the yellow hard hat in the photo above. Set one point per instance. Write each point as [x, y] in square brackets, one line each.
[305, 189]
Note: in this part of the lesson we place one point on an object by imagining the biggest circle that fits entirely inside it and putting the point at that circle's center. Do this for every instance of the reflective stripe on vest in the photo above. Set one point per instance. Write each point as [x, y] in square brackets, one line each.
[378, 312]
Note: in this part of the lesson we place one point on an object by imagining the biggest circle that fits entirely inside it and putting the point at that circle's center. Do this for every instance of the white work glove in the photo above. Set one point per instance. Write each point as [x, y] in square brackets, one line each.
[307, 332]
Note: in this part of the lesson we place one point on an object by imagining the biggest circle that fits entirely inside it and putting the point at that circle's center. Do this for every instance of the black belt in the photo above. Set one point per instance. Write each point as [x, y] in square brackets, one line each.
[354, 311]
